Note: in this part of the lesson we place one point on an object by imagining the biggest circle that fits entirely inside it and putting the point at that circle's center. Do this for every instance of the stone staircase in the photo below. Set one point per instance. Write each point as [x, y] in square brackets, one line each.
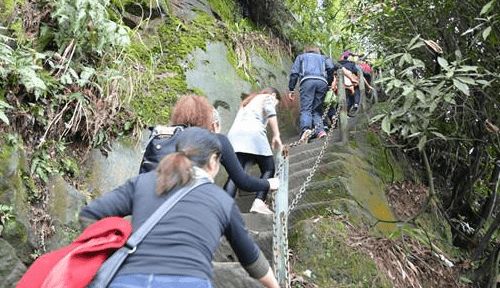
[228, 273]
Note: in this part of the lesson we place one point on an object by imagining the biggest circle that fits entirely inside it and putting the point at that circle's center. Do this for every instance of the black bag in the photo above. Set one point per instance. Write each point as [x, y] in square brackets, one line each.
[161, 142]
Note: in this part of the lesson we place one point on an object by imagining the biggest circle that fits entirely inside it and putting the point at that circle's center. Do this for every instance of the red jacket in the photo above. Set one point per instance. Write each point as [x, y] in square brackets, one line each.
[75, 265]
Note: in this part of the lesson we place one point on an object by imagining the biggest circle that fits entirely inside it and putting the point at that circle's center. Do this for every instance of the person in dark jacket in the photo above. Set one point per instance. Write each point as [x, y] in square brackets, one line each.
[314, 72]
[196, 111]
[179, 250]
[353, 99]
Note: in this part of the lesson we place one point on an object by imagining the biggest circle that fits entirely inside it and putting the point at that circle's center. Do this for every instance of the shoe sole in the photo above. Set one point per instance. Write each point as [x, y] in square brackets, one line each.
[305, 136]
[262, 213]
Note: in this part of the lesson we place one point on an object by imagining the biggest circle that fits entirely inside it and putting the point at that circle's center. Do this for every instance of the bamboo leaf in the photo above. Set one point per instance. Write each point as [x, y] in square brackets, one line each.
[4, 118]
[408, 47]
[486, 8]
[461, 86]
[417, 45]
[443, 63]
[421, 143]
[486, 32]
[376, 118]
[386, 125]
[439, 135]
[420, 96]
[418, 63]
[467, 80]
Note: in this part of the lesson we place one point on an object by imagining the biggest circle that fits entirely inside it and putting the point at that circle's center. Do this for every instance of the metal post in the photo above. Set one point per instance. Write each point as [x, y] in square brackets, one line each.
[343, 106]
[374, 85]
[280, 239]
[362, 90]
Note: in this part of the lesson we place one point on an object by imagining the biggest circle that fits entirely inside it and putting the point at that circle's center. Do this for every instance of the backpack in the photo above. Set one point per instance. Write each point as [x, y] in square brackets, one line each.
[161, 142]
[351, 80]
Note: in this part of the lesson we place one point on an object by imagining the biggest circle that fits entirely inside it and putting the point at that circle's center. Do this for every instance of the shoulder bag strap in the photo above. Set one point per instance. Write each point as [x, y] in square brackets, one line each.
[109, 268]
[140, 233]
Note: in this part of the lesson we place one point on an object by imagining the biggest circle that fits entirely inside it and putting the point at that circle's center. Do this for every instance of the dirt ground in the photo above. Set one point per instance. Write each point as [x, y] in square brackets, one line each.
[407, 261]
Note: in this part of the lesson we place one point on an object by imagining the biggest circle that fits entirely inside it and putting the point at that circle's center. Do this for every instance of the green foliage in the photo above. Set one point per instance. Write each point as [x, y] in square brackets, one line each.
[322, 25]
[84, 26]
[227, 9]
[6, 216]
[22, 65]
[7, 7]
[44, 163]
[33, 192]
[418, 98]
[158, 86]
[4, 106]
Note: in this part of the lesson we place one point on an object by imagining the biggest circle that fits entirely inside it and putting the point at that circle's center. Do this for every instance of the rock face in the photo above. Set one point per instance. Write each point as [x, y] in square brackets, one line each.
[215, 77]
[11, 267]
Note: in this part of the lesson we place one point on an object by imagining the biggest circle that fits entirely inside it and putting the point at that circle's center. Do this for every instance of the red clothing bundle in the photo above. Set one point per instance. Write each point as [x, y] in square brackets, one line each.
[75, 265]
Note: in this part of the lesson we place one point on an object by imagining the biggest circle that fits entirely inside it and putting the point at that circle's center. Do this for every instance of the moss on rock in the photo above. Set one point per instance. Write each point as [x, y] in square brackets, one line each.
[327, 261]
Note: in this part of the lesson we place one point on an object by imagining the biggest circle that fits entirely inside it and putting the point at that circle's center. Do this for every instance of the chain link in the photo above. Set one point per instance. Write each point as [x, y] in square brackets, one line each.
[275, 232]
[285, 154]
[316, 163]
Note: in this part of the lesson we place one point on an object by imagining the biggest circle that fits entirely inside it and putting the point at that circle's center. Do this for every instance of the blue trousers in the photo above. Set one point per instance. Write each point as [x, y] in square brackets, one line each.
[352, 98]
[158, 281]
[311, 94]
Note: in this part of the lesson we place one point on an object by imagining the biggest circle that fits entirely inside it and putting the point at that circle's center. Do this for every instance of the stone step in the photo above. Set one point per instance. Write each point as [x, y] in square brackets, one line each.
[263, 239]
[258, 222]
[328, 168]
[320, 190]
[307, 158]
[319, 195]
[232, 275]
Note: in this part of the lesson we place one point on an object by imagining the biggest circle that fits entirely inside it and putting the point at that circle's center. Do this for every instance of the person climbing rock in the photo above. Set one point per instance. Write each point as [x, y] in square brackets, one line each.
[353, 95]
[314, 72]
[248, 136]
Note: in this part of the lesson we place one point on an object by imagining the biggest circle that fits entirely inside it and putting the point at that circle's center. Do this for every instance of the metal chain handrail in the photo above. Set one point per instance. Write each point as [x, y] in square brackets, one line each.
[279, 169]
[299, 142]
[316, 163]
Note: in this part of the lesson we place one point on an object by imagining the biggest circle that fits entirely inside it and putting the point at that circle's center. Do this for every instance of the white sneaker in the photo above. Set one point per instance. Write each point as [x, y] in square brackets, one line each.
[259, 206]
[306, 135]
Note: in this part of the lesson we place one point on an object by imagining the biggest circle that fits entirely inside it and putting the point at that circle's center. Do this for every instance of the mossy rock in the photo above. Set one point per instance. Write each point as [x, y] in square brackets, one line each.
[327, 261]
[11, 267]
[21, 238]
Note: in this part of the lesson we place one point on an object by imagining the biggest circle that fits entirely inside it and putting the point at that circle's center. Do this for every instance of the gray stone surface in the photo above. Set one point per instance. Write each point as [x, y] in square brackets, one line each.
[11, 267]
[216, 77]
[120, 164]
[232, 275]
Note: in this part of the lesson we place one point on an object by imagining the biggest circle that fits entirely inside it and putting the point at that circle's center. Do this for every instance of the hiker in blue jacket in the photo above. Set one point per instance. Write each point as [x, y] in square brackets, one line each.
[314, 72]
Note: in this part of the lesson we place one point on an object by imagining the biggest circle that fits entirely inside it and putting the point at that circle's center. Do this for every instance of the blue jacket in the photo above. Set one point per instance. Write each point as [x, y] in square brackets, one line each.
[311, 65]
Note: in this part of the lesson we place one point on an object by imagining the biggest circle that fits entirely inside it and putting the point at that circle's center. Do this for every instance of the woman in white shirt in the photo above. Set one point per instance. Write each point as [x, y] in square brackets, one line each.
[248, 135]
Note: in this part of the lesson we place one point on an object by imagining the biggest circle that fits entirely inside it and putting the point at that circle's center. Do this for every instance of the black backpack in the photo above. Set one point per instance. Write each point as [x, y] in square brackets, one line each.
[161, 142]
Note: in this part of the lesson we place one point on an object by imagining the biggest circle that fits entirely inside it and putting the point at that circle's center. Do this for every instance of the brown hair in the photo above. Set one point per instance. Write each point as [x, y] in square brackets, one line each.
[268, 90]
[311, 48]
[192, 110]
[194, 147]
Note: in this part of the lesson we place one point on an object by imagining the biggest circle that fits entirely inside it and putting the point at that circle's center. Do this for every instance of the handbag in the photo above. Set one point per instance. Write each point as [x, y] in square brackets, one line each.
[109, 268]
